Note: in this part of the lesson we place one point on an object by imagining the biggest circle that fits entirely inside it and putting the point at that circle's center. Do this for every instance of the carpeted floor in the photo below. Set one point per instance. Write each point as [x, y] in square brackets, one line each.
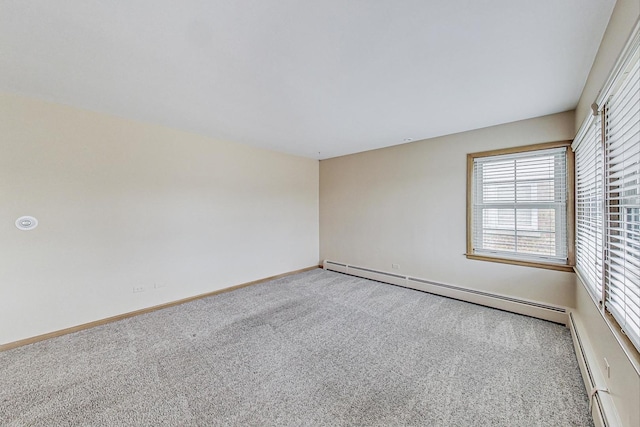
[317, 348]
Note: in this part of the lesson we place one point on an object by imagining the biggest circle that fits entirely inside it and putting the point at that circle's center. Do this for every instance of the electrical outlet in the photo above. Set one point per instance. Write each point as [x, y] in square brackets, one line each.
[158, 285]
[137, 289]
[395, 266]
[606, 363]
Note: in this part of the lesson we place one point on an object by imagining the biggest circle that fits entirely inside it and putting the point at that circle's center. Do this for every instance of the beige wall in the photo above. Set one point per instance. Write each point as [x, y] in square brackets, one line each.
[624, 16]
[622, 379]
[406, 205]
[124, 204]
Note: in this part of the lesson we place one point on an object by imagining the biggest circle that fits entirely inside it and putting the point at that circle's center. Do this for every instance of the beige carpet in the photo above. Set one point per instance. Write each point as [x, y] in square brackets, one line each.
[317, 348]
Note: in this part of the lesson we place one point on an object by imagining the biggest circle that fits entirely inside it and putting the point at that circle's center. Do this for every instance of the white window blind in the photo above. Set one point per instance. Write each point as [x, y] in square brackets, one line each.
[607, 157]
[622, 196]
[520, 205]
[589, 208]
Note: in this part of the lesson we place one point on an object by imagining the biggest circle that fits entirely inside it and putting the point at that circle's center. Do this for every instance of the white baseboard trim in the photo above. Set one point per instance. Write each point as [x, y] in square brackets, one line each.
[536, 309]
[603, 410]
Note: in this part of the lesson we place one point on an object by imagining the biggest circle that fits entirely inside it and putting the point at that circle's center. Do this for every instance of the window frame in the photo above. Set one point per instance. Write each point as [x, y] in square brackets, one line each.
[570, 213]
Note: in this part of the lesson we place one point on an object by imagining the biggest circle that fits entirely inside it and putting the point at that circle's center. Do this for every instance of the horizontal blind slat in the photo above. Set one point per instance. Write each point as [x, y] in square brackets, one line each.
[622, 188]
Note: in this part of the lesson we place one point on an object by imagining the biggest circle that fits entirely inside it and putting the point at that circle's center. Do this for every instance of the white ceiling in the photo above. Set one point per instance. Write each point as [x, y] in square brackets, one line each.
[302, 77]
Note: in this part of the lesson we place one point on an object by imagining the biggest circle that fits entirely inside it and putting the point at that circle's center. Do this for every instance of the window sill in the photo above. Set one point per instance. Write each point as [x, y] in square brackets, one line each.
[548, 266]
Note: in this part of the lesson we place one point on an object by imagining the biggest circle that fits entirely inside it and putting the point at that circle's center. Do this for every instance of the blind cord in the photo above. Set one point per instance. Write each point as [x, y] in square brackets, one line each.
[592, 394]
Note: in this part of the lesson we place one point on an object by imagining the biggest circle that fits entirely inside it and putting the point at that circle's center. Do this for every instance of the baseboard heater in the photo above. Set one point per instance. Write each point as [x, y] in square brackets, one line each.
[530, 308]
[599, 397]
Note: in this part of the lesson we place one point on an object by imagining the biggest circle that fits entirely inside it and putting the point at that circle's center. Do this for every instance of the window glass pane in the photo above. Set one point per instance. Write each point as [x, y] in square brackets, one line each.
[535, 191]
[499, 240]
[498, 192]
[498, 219]
[519, 205]
[542, 220]
[498, 171]
[538, 243]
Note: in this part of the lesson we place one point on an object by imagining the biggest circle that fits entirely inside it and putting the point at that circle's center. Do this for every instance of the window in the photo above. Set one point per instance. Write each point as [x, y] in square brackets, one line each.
[518, 206]
[608, 198]
[589, 209]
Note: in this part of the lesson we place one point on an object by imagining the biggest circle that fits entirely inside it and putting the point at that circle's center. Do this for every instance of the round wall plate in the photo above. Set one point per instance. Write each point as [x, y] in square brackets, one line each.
[26, 223]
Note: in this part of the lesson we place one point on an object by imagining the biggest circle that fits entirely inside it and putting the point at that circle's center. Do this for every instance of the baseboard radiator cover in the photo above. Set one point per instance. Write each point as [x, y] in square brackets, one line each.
[602, 408]
[539, 310]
